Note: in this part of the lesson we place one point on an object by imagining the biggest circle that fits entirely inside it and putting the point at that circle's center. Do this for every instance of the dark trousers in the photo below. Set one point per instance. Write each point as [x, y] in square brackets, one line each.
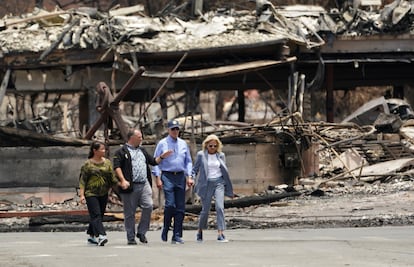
[174, 194]
[96, 208]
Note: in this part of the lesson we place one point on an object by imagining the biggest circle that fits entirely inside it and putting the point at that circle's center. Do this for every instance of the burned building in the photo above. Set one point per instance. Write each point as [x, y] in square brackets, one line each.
[59, 57]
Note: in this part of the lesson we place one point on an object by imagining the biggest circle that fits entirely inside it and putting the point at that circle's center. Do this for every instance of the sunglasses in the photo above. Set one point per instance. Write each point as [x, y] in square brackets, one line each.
[211, 146]
[175, 129]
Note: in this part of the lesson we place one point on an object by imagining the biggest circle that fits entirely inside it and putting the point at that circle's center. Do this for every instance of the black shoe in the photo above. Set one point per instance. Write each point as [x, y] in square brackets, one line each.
[164, 235]
[200, 236]
[142, 238]
[132, 242]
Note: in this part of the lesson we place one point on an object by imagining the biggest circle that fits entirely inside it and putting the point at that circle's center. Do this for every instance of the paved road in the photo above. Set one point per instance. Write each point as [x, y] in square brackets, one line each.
[376, 247]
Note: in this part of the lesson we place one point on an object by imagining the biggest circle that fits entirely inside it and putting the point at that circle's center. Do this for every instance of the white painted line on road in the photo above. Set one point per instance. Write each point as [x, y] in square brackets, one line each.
[36, 256]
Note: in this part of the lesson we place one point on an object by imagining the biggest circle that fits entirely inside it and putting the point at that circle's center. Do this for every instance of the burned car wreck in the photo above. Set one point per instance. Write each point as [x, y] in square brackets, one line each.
[381, 112]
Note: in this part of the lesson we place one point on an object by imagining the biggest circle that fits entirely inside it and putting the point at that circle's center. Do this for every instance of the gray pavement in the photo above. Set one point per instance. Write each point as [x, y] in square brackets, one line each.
[383, 246]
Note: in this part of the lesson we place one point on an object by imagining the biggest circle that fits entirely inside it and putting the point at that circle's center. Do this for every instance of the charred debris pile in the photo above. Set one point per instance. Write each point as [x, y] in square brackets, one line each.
[370, 152]
[373, 146]
[28, 42]
[123, 35]
[129, 29]
[354, 160]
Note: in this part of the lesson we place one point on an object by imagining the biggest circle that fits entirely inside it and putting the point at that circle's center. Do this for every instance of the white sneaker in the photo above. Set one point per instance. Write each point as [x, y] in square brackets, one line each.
[102, 240]
[92, 240]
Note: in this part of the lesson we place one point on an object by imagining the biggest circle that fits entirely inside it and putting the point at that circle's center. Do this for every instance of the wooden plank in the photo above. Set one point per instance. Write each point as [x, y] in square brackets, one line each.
[126, 10]
[21, 137]
[369, 44]
[58, 57]
[218, 71]
[13, 21]
[246, 201]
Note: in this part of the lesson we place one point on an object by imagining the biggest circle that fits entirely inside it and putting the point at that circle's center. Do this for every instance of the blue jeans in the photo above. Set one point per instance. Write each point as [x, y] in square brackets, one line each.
[174, 207]
[215, 187]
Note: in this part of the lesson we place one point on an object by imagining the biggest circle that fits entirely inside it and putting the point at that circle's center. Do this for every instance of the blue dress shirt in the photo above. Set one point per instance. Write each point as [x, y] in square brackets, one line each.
[179, 160]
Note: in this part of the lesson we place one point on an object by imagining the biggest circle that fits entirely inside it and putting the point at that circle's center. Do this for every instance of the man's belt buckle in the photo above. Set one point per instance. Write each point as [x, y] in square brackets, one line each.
[174, 173]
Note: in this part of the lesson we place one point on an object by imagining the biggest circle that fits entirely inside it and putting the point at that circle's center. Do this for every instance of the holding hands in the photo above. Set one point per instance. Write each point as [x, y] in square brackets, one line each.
[124, 184]
[190, 181]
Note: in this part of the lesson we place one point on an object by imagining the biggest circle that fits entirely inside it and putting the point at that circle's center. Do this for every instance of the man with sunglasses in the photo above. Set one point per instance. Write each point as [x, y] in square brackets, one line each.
[172, 175]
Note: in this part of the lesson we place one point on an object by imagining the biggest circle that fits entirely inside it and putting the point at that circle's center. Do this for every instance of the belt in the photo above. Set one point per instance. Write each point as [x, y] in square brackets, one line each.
[174, 173]
[140, 182]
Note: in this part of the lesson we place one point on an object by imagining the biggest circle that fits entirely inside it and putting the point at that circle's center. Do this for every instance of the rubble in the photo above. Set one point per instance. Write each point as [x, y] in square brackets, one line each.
[78, 29]
[345, 204]
[125, 32]
[371, 110]
[365, 168]
[362, 181]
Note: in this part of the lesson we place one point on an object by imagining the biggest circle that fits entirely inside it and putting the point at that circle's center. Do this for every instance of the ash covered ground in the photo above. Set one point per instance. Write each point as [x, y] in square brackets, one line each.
[362, 205]
[344, 204]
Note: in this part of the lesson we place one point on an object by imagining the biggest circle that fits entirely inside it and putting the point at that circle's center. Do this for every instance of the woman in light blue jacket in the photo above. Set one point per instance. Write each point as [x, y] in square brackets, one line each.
[213, 180]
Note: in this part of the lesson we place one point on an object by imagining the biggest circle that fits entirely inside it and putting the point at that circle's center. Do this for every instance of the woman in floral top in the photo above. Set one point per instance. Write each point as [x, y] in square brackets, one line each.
[96, 178]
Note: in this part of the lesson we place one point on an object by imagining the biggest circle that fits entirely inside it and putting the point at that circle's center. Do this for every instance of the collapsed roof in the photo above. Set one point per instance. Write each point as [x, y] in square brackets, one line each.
[123, 38]
[86, 29]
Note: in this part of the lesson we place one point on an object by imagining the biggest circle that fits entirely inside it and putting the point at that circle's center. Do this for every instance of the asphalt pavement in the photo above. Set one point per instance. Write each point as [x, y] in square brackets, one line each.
[376, 247]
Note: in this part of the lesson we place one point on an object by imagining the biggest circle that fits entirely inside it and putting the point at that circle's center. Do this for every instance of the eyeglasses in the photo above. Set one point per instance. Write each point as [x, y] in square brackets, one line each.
[211, 146]
[175, 129]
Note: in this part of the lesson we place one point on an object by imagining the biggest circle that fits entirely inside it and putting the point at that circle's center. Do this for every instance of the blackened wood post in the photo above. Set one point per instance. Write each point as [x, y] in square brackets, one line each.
[242, 105]
[113, 109]
[329, 93]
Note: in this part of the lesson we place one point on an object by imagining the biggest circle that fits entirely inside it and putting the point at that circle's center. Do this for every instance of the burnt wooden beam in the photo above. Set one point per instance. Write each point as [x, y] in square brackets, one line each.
[65, 218]
[329, 93]
[4, 85]
[220, 71]
[125, 89]
[163, 85]
[113, 109]
[11, 214]
[9, 22]
[241, 105]
[77, 56]
[21, 137]
[55, 59]
[246, 201]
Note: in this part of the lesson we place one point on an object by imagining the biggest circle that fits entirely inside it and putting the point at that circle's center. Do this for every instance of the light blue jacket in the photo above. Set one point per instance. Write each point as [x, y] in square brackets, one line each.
[200, 167]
